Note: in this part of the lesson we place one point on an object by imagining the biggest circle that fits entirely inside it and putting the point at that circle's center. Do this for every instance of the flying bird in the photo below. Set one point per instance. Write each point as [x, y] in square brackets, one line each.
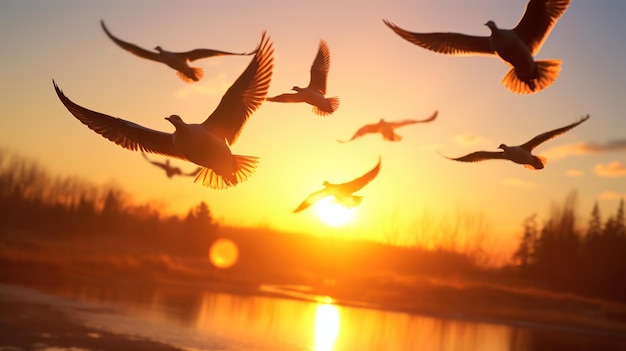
[521, 154]
[387, 129]
[176, 60]
[342, 193]
[516, 46]
[206, 144]
[315, 93]
[170, 170]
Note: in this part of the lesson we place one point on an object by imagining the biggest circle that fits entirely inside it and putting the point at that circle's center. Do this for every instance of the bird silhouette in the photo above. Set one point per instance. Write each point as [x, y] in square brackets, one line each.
[342, 193]
[176, 60]
[314, 93]
[521, 154]
[516, 46]
[170, 170]
[387, 129]
[206, 144]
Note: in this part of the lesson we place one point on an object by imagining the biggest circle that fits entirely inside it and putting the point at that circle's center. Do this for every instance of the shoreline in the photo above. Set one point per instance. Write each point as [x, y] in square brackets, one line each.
[30, 323]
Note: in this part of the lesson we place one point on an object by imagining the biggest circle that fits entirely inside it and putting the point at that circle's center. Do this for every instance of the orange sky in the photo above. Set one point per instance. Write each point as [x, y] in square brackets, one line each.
[374, 72]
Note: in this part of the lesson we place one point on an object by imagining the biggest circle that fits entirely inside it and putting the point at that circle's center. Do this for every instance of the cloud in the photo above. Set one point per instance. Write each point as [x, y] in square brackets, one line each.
[574, 173]
[584, 148]
[613, 169]
[469, 139]
[518, 183]
[611, 195]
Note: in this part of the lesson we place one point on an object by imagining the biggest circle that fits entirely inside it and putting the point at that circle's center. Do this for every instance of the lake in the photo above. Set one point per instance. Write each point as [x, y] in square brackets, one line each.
[212, 320]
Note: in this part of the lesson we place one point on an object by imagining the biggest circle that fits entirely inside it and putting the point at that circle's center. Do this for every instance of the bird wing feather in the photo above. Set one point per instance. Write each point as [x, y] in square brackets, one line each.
[478, 156]
[132, 48]
[363, 180]
[534, 142]
[127, 134]
[204, 53]
[446, 43]
[244, 96]
[311, 199]
[537, 21]
[366, 129]
[194, 172]
[320, 68]
[287, 97]
[405, 122]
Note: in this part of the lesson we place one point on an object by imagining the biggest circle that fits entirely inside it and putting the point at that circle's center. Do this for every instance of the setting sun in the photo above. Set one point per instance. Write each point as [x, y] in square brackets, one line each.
[332, 213]
[223, 253]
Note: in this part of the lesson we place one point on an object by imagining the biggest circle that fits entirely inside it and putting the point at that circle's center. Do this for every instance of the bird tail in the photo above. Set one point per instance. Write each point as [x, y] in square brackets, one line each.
[392, 137]
[546, 73]
[194, 75]
[352, 201]
[539, 162]
[331, 106]
[245, 167]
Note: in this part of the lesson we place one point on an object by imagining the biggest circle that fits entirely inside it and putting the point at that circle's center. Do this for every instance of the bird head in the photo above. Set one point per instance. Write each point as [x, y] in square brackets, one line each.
[158, 48]
[502, 146]
[175, 120]
[491, 25]
[296, 88]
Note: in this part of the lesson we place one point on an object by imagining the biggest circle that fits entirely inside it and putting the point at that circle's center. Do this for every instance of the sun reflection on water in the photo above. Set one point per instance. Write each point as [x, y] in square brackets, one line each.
[326, 326]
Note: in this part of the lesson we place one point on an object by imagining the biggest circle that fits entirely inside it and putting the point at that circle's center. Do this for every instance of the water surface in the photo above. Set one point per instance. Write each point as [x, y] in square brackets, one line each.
[208, 320]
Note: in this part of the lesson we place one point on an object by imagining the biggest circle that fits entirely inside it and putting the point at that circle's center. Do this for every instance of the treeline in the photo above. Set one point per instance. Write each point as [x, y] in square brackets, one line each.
[561, 255]
[32, 200]
[69, 207]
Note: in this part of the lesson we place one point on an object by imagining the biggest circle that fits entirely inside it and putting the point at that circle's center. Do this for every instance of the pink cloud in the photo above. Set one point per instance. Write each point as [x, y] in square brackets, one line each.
[613, 169]
[584, 148]
[611, 195]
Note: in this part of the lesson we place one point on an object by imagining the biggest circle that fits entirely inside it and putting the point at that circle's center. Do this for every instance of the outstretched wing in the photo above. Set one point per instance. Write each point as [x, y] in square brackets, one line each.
[478, 156]
[534, 142]
[446, 43]
[367, 129]
[398, 124]
[132, 48]
[311, 199]
[287, 97]
[244, 96]
[205, 53]
[320, 68]
[126, 134]
[538, 20]
[361, 181]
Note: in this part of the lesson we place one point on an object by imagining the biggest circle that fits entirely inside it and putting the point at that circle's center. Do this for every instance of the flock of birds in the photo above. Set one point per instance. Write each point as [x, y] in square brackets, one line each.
[208, 144]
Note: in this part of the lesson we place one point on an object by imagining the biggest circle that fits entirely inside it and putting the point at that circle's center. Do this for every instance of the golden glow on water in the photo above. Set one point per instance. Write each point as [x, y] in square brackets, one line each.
[332, 213]
[211, 321]
[327, 324]
[223, 253]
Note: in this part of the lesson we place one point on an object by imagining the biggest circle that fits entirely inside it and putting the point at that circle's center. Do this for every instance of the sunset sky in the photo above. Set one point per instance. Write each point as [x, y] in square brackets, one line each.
[374, 72]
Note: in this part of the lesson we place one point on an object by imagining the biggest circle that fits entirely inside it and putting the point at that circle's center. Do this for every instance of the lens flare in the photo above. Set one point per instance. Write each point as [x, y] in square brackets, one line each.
[223, 253]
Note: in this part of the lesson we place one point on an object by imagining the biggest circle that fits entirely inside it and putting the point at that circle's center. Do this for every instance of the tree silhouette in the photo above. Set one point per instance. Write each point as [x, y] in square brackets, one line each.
[524, 255]
[559, 256]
